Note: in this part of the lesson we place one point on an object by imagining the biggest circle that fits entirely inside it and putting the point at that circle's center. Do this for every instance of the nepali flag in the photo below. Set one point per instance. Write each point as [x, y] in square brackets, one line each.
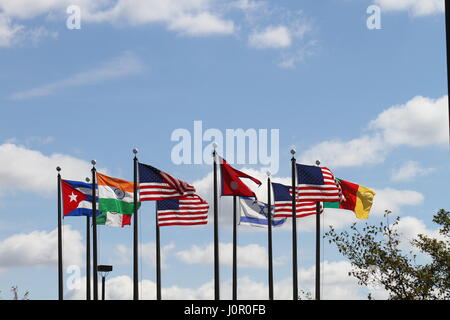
[77, 198]
[232, 185]
[155, 184]
[283, 203]
[317, 184]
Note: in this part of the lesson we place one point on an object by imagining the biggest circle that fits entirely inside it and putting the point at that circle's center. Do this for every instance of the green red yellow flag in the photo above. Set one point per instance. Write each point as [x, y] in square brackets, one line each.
[357, 198]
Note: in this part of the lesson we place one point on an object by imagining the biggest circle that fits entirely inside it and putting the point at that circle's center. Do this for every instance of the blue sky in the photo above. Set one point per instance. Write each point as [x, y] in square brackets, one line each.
[370, 104]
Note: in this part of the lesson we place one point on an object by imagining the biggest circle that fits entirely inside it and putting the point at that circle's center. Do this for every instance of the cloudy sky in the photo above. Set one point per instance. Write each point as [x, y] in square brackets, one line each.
[371, 104]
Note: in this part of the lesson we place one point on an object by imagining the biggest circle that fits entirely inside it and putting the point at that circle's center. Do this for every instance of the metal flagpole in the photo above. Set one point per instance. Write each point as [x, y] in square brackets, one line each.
[94, 229]
[135, 229]
[294, 230]
[269, 235]
[158, 255]
[88, 254]
[447, 42]
[88, 258]
[60, 262]
[318, 234]
[216, 230]
[234, 250]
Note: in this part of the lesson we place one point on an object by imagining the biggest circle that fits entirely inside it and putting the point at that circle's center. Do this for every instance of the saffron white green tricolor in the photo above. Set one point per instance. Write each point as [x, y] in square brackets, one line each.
[116, 201]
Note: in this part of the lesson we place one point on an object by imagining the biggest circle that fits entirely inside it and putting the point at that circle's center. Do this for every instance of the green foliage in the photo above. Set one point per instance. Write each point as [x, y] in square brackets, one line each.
[377, 259]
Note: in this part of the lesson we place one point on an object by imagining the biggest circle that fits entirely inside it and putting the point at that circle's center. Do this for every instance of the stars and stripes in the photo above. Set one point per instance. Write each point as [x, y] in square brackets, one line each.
[155, 184]
[283, 203]
[316, 184]
[187, 210]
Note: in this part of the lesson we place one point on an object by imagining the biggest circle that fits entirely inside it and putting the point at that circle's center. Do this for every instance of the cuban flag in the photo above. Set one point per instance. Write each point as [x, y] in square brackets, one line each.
[255, 213]
[77, 198]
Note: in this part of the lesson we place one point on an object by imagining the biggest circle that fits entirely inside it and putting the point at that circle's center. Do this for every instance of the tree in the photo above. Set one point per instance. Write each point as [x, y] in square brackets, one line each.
[377, 259]
[15, 294]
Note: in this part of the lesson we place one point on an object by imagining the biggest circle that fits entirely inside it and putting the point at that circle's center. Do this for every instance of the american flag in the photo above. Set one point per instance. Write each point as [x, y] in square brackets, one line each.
[155, 184]
[283, 203]
[186, 211]
[317, 184]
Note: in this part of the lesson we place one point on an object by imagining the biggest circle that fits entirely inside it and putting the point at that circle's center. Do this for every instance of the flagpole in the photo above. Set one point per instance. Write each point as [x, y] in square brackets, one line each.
[294, 231]
[88, 258]
[94, 229]
[135, 228]
[318, 235]
[447, 43]
[60, 262]
[234, 250]
[216, 230]
[269, 235]
[88, 254]
[158, 255]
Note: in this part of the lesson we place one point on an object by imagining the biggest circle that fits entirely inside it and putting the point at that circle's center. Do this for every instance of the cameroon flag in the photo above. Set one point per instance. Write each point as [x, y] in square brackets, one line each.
[358, 199]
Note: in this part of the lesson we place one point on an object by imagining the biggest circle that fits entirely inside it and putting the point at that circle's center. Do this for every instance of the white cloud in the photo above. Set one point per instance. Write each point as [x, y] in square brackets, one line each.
[14, 34]
[410, 170]
[291, 59]
[39, 249]
[187, 17]
[393, 200]
[29, 170]
[337, 285]
[271, 37]
[265, 26]
[8, 31]
[249, 256]
[410, 227]
[121, 288]
[202, 24]
[415, 7]
[123, 65]
[419, 122]
[147, 254]
[356, 152]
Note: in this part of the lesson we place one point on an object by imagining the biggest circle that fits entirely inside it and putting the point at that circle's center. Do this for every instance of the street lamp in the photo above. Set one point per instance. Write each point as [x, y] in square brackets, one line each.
[104, 271]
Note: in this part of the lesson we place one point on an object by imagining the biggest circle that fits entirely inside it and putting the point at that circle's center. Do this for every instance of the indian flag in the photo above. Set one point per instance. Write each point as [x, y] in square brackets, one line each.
[357, 198]
[115, 201]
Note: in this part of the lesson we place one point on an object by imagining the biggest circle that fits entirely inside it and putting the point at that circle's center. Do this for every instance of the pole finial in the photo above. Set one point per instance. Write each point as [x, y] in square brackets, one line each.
[214, 145]
[317, 163]
[93, 162]
[88, 180]
[58, 169]
[268, 173]
[135, 150]
[293, 150]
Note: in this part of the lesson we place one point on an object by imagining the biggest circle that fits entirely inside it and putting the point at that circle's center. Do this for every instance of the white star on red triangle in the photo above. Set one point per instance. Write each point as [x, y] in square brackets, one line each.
[73, 197]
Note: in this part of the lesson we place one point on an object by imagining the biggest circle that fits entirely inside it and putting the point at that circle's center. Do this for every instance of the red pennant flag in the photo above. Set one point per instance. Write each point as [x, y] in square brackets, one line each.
[232, 185]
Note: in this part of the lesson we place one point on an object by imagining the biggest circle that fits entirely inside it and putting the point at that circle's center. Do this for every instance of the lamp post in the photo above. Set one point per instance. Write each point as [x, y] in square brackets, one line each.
[104, 271]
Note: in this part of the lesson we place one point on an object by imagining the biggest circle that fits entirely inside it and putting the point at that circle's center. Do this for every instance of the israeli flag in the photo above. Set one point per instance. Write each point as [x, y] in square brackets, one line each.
[254, 213]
